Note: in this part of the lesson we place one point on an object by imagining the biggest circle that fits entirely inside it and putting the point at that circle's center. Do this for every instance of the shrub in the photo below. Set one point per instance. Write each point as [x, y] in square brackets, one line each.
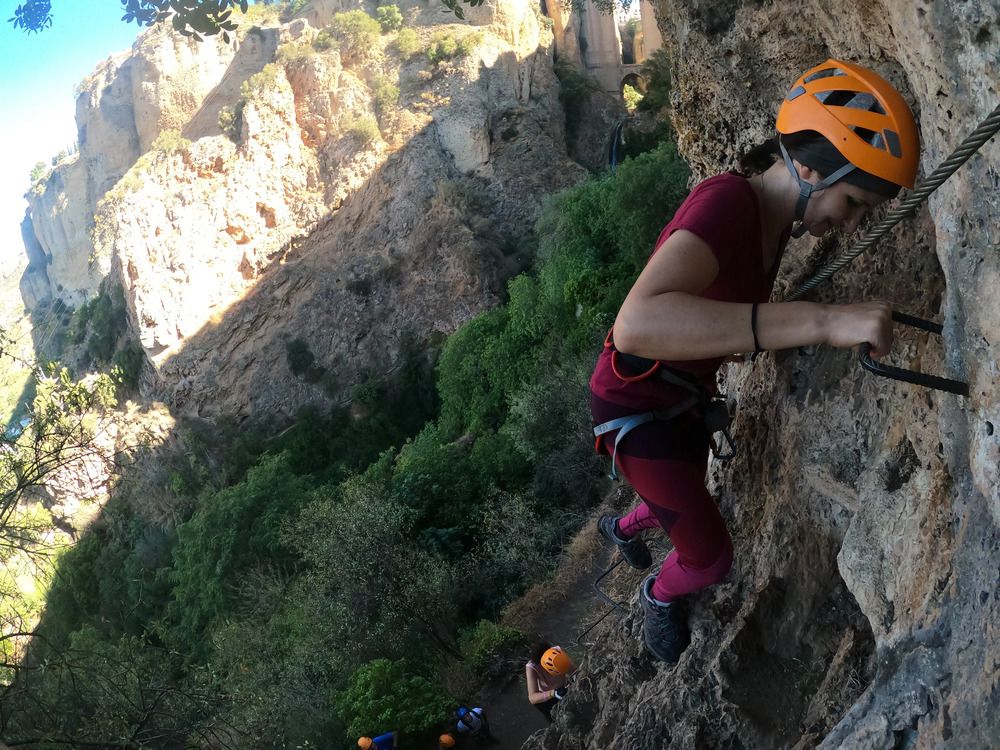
[260, 83]
[386, 95]
[364, 129]
[324, 40]
[260, 14]
[300, 358]
[358, 33]
[295, 51]
[487, 644]
[231, 532]
[40, 170]
[443, 47]
[468, 43]
[100, 322]
[292, 8]
[407, 43]
[231, 121]
[128, 363]
[574, 93]
[169, 141]
[389, 18]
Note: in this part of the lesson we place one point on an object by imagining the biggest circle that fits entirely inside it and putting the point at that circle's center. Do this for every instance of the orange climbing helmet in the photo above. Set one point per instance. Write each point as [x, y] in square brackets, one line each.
[860, 114]
[365, 742]
[446, 741]
[555, 661]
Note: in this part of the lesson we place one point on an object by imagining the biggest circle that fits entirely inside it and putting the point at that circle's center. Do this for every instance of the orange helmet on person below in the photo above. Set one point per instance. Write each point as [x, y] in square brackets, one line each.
[555, 661]
[365, 743]
[862, 116]
[446, 741]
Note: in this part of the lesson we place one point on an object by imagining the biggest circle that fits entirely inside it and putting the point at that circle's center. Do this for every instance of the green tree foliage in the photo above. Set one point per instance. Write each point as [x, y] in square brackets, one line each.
[385, 694]
[192, 18]
[656, 72]
[60, 429]
[98, 691]
[400, 590]
[40, 170]
[632, 97]
[389, 18]
[127, 365]
[575, 89]
[231, 532]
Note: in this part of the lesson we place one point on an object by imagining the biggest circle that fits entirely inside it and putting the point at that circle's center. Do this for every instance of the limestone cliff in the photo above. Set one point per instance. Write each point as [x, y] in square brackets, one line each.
[863, 607]
[310, 218]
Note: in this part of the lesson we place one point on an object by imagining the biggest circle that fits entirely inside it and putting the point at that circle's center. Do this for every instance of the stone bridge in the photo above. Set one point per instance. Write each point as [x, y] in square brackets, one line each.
[601, 46]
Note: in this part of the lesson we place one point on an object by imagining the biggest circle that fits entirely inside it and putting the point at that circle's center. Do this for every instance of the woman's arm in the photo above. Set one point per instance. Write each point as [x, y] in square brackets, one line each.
[664, 318]
[535, 693]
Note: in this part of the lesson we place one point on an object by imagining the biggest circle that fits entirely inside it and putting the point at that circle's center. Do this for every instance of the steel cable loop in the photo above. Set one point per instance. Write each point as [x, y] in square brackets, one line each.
[975, 140]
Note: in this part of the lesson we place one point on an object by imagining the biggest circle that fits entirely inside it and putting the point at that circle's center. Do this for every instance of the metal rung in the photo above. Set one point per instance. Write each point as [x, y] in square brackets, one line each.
[912, 376]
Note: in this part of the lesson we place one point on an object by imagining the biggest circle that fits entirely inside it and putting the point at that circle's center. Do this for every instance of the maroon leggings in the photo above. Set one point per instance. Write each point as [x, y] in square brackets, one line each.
[666, 465]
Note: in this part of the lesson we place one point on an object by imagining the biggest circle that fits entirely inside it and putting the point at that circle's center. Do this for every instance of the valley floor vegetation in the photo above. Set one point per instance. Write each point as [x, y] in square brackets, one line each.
[256, 588]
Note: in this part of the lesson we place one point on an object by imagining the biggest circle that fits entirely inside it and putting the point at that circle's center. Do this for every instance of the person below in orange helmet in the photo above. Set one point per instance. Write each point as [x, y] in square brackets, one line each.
[547, 674]
[387, 741]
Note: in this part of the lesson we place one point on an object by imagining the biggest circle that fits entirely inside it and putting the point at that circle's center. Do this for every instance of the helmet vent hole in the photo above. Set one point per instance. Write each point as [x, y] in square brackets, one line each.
[870, 137]
[892, 141]
[851, 100]
[827, 73]
[866, 102]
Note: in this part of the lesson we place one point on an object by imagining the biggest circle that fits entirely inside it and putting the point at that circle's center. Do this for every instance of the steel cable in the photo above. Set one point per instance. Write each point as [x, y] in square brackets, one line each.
[986, 130]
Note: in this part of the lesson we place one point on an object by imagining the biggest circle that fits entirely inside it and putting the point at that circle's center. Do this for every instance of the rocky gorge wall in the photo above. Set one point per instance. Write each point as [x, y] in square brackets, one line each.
[304, 224]
[863, 607]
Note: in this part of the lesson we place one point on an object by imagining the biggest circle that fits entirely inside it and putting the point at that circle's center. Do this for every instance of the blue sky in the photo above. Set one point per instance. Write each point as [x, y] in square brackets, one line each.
[38, 76]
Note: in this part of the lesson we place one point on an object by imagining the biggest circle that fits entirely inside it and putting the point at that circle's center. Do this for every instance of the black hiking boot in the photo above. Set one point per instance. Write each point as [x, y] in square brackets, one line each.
[634, 550]
[664, 627]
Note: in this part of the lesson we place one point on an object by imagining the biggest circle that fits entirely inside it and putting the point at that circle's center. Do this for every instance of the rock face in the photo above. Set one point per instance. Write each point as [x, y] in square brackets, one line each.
[864, 604]
[311, 219]
[121, 108]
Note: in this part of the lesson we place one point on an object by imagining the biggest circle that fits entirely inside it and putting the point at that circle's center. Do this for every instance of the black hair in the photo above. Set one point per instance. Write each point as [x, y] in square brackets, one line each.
[816, 152]
[760, 158]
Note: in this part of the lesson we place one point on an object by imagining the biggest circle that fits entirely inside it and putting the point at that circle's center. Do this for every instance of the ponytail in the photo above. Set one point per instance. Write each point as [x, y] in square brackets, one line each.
[760, 158]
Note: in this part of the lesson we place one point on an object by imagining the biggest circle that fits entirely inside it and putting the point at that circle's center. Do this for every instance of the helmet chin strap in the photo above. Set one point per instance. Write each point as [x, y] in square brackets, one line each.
[806, 189]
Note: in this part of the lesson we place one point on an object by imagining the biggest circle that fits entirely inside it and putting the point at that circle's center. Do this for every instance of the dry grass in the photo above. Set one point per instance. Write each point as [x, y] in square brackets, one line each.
[580, 559]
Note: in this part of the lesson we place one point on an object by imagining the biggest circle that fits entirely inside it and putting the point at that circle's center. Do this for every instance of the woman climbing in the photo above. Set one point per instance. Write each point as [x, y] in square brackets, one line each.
[847, 142]
[546, 674]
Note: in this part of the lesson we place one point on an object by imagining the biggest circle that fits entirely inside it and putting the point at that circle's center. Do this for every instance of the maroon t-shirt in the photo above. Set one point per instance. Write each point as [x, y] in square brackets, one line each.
[723, 212]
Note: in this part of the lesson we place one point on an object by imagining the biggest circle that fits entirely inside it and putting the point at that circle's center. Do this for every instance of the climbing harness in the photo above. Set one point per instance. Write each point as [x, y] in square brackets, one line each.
[975, 140]
[713, 411]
